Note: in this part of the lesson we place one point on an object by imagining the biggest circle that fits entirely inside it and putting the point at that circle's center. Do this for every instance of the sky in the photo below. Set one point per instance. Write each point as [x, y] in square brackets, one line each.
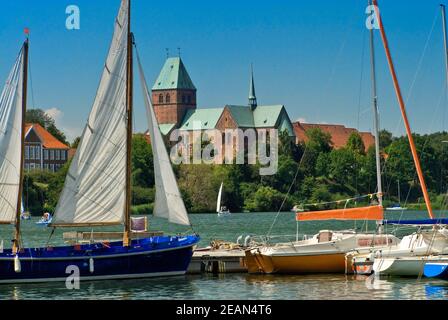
[311, 56]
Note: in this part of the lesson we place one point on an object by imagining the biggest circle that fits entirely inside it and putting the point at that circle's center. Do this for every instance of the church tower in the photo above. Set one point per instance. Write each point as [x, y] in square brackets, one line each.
[173, 93]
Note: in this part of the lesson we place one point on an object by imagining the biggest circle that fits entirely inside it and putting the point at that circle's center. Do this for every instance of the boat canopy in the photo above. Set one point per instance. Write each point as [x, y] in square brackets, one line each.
[418, 222]
[361, 213]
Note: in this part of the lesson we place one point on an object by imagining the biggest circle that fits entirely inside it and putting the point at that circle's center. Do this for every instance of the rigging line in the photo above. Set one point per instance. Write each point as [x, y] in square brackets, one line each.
[425, 144]
[400, 121]
[289, 190]
[361, 77]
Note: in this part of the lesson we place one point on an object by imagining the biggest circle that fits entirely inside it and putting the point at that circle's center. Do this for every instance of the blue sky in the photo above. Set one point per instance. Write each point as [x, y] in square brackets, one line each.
[311, 56]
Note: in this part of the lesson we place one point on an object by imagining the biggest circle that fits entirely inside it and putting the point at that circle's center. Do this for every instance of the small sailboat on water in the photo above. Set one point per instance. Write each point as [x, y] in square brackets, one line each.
[45, 219]
[97, 190]
[221, 210]
[397, 206]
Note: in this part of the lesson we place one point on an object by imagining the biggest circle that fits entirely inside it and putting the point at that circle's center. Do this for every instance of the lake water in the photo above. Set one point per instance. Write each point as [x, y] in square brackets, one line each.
[230, 286]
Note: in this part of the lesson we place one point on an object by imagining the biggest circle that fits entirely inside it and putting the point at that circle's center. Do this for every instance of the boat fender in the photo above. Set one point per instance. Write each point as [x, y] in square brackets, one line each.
[377, 254]
[91, 265]
[1, 246]
[246, 241]
[239, 239]
[17, 265]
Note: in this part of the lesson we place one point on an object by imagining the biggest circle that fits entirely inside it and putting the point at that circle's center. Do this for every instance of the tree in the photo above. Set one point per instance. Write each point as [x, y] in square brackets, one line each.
[267, 199]
[356, 144]
[142, 162]
[75, 143]
[318, 142]
[39, 116]
[385, 139]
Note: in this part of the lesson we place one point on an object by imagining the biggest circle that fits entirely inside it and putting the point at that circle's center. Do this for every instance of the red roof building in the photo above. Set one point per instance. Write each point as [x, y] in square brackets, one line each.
[42, 150]
[339, 134]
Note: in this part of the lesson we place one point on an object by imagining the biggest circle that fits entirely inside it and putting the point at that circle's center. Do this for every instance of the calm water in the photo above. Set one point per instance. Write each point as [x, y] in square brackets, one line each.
[229, 286]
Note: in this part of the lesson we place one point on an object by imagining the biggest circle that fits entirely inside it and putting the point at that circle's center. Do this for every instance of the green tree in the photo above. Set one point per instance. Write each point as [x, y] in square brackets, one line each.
[385, 139]
[142, 162]
[318, 142]
[75, 142]
[355, 143]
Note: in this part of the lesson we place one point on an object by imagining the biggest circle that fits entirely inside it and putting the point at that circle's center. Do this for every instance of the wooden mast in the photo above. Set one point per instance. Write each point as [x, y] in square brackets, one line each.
[403, 111]
[16, 241]
[129, 100]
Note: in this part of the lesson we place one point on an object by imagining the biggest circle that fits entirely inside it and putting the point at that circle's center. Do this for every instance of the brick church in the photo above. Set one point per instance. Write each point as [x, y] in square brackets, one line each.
[175, 105]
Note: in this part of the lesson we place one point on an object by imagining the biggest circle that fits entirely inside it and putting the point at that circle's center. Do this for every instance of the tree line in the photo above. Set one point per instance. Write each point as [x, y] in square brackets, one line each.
[308, 172]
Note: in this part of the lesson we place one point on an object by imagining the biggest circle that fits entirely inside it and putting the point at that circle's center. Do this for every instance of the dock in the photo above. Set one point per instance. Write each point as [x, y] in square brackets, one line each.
[223, 258]
[217, 261]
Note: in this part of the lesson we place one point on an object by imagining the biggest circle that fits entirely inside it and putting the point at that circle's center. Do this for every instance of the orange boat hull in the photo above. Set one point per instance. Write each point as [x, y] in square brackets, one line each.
[257, 262]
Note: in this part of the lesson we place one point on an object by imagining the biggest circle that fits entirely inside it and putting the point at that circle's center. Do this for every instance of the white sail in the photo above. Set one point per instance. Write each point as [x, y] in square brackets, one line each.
[168, 202]
[218, 202]
[10, 141]
[95, 186]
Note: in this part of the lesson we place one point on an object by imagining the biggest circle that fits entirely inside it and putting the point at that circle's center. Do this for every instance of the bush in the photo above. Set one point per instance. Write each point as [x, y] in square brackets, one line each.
[142, 195]
[143, 209]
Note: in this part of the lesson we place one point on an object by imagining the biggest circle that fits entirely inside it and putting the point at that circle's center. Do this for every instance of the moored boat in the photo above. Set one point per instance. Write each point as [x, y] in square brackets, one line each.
[323, 253]
[97, 189]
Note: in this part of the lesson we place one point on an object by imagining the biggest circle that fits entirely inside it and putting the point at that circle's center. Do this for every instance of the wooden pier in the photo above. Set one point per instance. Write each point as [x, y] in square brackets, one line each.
[217, 261]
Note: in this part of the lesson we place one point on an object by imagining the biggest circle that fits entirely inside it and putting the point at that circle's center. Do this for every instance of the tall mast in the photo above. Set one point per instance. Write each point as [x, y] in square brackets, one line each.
[16, 243]
[403, 111]
[376, 117]
[129, 100]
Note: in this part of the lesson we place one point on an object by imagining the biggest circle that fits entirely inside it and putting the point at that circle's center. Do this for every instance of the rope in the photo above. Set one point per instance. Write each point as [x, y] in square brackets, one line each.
[370, 195]
[289, 190]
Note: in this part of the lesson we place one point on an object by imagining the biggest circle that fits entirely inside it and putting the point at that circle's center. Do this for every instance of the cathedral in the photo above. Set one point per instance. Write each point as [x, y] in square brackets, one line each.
[175, 105]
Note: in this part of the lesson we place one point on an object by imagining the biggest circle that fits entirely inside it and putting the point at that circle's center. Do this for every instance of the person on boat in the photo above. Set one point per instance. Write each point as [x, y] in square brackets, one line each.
[46, 217]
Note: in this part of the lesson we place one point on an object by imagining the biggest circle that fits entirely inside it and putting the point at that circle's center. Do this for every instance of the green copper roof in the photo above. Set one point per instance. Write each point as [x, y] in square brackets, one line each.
[173, 76]
[242, 115]
[166, 128]
[267, 116]
[205, 118]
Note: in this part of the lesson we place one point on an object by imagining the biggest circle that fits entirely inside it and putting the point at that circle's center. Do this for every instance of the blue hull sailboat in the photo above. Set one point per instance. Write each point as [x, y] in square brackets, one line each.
[151, 257]
[97, 188]
[436, 270]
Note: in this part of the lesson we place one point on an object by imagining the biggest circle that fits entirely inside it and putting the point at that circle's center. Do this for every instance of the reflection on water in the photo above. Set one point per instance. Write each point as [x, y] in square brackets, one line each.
[239, 287]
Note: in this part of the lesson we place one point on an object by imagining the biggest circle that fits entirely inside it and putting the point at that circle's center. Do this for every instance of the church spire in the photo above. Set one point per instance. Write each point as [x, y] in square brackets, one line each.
[252, 97]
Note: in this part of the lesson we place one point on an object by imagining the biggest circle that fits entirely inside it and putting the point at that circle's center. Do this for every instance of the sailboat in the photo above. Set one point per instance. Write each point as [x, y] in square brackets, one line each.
[24, 215]
[397, 206]
[97, 186]
[221, 210]
[326, 251]
[409, 257]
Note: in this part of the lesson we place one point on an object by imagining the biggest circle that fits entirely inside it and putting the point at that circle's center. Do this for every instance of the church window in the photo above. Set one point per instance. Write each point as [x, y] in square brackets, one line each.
[161, 98]
[167, 99]
[183, 99]
[189, 99]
